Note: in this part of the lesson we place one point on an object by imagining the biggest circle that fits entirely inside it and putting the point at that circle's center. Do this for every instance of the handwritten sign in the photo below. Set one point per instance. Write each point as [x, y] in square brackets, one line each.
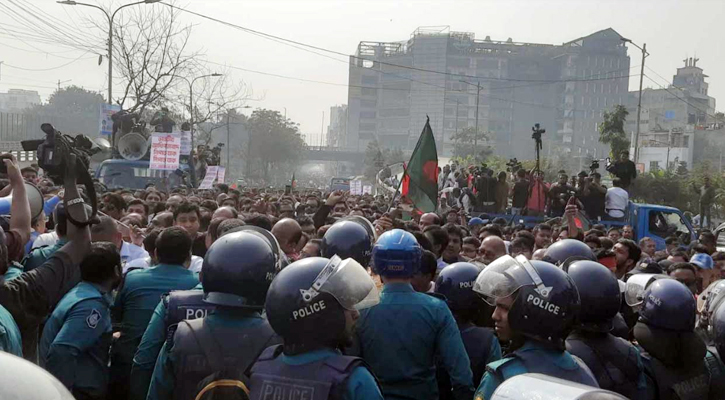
[211, 173]
[185, 142]
[367, 189]
[356, 187]
[165, 151]
[220, 175]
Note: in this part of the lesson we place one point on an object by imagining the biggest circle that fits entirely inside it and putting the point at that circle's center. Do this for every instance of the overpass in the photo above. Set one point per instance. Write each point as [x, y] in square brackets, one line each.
[329, 153]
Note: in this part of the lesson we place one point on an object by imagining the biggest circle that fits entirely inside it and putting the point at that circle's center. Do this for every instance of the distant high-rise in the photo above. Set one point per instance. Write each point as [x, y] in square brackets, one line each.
[16, 100]
[565, 88]
[337, 130]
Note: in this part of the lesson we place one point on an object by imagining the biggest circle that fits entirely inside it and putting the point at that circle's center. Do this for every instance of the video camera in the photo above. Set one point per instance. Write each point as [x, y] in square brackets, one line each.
[537, 132]
[513, 165]
[53, 154]
[594, 166]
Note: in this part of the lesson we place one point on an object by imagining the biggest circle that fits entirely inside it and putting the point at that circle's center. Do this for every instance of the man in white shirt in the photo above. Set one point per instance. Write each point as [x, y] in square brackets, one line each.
[616, 201]
[107, 231]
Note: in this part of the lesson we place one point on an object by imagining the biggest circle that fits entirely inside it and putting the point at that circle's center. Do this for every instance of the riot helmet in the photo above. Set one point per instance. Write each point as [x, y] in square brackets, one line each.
[281, 259]
[349, 238]
[708, 301]
[25, 380]
[599, 294]
[455, 282]
[717, 329]
[636, 286]
[669, 305]
[546, 301]
[306, 302]
[544, 387]
[238, 269]
[396, 254]
[568, 250]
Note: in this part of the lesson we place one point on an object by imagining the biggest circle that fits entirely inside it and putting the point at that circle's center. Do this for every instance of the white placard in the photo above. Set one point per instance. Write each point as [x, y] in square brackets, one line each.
[185, 142]
[220, 174]
[367, 189]
[165, 151]
[356, 187]
[105, 123]
[211, 174]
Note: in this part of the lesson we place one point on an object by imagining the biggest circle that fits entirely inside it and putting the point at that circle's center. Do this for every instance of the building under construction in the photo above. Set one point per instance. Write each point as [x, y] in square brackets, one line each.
[438, 73]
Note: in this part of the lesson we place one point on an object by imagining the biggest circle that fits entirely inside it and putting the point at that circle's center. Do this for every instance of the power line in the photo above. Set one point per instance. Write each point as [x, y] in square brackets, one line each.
[680, 98]
[277, 38]
[48, 69]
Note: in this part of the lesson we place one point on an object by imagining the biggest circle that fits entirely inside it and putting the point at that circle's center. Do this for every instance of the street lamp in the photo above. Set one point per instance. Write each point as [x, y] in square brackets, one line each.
[110, 18]
[639, 102]
[191, 120]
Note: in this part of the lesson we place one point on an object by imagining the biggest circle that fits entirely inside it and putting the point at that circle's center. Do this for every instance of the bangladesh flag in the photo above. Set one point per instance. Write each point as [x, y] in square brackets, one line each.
[420, 179]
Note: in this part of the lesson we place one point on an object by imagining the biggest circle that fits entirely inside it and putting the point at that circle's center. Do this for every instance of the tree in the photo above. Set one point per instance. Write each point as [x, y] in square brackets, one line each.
[274, 142]
[464, 140]
[611, 130]
[71, 109]
[374, 160]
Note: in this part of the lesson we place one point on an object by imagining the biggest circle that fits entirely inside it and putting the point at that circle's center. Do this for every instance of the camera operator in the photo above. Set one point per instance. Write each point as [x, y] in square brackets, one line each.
[30, 297]
[624, 169]
[559, 195]
[519, 192]
[486, 188]
[592, 194]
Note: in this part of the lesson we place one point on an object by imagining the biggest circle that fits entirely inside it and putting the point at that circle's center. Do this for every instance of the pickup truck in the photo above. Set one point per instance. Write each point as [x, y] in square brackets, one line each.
[647, 220]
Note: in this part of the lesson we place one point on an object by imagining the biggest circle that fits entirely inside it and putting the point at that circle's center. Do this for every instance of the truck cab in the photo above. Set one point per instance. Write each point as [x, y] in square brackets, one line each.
[127, 174]
[657, 222]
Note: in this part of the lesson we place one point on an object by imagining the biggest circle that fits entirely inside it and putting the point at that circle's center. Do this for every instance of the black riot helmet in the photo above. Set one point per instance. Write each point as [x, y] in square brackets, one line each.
[238, 269]
[599, 292]
[455, 282]
[546, 301]
[568, 250]
[306, 302]
[349, 238]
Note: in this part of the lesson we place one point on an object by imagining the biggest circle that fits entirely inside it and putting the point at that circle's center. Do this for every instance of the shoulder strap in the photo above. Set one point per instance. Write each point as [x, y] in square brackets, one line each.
[208, 344]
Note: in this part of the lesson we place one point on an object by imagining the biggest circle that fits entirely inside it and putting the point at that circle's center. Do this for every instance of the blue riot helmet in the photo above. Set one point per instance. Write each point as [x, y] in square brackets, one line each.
[568, 250]
[396, 254]
[636, 286]
[599, 292]
[455, 282]
[717, 329]
[281, 259]
[546, 300]
[349, 238]
[238, 269]
[669, 305]
[707, 302]
[306, 301]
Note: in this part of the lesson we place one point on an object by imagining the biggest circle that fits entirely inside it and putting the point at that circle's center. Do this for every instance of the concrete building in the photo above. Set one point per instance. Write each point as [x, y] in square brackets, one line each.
[337, 129]
[17, 100]
[393, 86]
[672, 118]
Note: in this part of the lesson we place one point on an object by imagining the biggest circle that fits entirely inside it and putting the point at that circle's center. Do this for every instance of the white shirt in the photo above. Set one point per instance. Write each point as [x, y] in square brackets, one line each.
[615, 202]
[45, 239]
[143, 263]
[130, 252]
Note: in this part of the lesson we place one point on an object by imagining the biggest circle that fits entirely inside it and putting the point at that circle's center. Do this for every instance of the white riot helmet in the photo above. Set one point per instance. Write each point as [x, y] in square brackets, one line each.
[543, 387]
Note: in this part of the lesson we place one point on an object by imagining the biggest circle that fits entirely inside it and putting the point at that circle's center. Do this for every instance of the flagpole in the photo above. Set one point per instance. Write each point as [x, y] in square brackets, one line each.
[405, 170]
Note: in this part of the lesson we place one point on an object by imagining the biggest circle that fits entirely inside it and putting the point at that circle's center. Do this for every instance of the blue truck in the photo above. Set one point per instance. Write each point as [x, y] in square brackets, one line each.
[128, 174]
[647, 220]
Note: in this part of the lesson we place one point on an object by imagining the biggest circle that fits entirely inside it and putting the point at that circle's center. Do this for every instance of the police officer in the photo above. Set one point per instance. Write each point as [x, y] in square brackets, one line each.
[77, 336]
[707, 303]
[175, 307]
[313, 305]
[536, 304]
[675, 354]
[349, 238]
[238, 269]
[568, 250]
[615, 362]
[716, 347]
[403, 336]
[455, 284]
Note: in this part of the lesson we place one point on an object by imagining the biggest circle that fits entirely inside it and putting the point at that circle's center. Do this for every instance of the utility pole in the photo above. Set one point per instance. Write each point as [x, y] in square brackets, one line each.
[228, 144]
[475, 138]
[61, 82]
[639, 101]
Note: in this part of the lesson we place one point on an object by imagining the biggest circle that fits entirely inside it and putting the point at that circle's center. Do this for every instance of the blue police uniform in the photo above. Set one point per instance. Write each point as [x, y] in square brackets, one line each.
[163, 381]
[38, 256]
[358, 385]
[75, 341]
[134, 306]
[402, 337]
[537, 358]
[10, 338]
[148, 351]
[15, 269]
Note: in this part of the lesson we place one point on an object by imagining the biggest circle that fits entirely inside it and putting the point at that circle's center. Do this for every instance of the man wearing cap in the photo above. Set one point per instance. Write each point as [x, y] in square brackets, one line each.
[475, 224]
[705, 273]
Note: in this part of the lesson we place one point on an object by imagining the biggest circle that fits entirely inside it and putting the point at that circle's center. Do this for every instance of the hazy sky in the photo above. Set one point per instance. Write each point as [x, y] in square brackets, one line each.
[671, 29]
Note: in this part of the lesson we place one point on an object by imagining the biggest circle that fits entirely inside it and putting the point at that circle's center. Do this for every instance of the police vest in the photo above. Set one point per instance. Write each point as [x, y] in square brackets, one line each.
[688, 383]
[537, 362]
[195, 342]
[717, 372]
[319, 380]
[184, 305]
[612, 360]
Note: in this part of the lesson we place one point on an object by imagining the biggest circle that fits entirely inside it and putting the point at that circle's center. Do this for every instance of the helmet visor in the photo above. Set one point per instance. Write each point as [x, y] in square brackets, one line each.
[348, 282]
[636, 286]
[502, 278]
[365, 224]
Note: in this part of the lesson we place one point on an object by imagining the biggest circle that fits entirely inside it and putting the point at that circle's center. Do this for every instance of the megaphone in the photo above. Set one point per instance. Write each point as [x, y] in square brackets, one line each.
[133, 146]
[35, 198]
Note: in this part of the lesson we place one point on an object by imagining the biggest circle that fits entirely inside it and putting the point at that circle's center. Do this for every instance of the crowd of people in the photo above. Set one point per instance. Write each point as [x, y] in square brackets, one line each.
[330, 295]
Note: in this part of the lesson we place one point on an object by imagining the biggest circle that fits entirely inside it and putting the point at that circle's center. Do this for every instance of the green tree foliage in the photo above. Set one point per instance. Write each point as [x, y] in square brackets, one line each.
[71, 109]
[374, 160]
[463, 144]
[611, 130]
[274, 143]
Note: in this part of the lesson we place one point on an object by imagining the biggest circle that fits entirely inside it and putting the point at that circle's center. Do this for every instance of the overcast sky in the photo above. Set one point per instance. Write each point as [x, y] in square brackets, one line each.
[672, 30]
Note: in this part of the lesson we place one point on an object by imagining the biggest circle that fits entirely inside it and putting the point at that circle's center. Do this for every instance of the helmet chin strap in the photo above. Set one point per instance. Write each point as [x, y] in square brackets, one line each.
[529, 268]
[322, 277]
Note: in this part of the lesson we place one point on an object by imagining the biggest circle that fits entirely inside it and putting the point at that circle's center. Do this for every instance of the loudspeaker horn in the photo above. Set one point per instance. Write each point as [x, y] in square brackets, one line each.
[133, 146]
[35, 198]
